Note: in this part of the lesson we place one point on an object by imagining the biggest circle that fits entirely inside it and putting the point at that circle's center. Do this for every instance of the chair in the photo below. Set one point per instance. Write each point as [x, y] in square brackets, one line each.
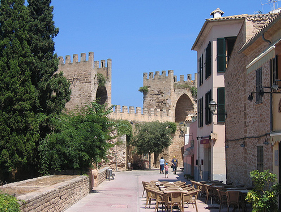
[222, 198]
[190, 198]
[172, 199]
[150, 195]
[232, 199]
[144, 184]
[159, 199]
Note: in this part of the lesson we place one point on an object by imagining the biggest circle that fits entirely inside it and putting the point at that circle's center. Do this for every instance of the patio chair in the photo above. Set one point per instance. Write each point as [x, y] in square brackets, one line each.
[159, 199]
[150, 195]
[232, 199]
[222, 198]
[144, 184]
[190, 198]
[172, 199]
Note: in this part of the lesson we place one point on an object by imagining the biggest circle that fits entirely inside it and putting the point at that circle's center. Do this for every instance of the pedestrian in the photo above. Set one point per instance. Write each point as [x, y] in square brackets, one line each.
[175, 164]
[162, 163]
[166, 170]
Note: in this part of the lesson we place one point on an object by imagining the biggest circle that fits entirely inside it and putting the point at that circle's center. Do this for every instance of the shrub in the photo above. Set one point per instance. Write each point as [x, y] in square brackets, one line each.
[265, 192]
[9, 203]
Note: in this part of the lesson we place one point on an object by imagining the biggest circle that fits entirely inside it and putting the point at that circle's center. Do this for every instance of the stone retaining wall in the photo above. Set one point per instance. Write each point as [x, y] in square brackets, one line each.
[57, 197]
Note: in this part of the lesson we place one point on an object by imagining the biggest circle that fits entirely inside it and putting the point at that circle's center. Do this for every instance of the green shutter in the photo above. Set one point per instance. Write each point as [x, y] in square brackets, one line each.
[221, 104]
[208, 69]
[221, 56]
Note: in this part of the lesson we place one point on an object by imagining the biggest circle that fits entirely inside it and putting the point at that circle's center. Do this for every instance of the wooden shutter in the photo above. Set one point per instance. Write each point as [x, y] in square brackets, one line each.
[221, 55]
[208, 114]
[208, 69]
[221, 104]
[258, 85]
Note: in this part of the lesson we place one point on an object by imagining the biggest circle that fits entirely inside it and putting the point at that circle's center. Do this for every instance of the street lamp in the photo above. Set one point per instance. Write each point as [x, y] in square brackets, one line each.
[212, 106]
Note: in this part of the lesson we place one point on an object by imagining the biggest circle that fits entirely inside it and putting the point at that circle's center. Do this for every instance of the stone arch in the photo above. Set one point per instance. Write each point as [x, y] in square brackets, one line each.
[101, 95]
[183, 106]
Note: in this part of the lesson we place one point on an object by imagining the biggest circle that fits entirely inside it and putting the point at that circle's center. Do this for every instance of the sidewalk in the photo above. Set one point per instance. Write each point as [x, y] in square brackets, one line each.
[124, 194]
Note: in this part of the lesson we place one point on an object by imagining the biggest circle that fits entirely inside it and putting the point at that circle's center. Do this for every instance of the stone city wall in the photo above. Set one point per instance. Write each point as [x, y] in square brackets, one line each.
[56, 197]
[137, 115]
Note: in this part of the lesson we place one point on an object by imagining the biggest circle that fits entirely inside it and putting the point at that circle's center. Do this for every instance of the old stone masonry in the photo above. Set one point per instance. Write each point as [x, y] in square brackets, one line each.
[166, 99]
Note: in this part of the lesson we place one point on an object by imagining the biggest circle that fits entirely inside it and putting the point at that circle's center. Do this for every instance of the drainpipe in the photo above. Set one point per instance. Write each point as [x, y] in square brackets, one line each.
[265, 39]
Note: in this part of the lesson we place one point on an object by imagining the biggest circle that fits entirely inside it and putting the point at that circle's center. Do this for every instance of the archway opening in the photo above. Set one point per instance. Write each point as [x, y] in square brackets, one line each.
[101, 96]
[183, 106]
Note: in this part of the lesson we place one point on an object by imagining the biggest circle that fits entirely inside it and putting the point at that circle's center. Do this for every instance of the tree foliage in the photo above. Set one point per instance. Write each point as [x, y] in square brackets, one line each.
[265, 192]
[79, 139]
[31, 92]
[9, 203]
[153, 136]
[19, 129]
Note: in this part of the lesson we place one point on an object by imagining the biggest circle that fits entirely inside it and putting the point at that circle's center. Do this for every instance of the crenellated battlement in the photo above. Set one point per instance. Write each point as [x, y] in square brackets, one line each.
[104, 68]
[157, 77]
[132, 114]
[75, 59]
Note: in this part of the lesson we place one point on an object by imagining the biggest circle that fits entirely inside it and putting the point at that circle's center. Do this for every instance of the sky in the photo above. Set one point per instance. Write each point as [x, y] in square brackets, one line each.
[140, 36]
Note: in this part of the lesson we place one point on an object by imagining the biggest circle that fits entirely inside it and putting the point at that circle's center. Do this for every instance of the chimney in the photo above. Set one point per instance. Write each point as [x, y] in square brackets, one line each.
[217, 13]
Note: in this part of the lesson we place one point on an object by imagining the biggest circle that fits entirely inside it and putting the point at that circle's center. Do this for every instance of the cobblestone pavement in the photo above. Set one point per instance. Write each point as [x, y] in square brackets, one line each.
[124, 194]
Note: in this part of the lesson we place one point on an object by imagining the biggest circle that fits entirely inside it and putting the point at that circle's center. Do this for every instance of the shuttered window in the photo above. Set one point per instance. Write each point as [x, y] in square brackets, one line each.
[208, 114]
[200, 112]
[208, 68]
[221, 55]
[200, 71]
[221, 104]
[260, 158]
[259, 88]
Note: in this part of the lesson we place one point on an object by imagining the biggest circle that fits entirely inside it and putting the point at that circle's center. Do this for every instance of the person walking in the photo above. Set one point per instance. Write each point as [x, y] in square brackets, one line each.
[175, 164]
[166, 170]
[162, 163]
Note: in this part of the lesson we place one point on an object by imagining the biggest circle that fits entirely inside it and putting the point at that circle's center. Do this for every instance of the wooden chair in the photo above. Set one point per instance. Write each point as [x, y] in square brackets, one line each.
[150, 195]
[222, 198]
[159, 199]
[232, 199]
[172, 199]
[190, 198]
[144, 184]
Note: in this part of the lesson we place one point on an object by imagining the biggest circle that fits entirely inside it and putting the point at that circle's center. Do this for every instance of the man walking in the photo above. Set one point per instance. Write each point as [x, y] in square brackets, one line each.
[175, 164]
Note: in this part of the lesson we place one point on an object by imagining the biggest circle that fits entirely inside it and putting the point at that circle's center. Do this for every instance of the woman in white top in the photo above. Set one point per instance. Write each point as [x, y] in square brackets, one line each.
[162, 163]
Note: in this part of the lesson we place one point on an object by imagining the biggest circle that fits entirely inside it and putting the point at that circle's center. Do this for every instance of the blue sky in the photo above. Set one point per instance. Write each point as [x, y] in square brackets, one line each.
[139, 35]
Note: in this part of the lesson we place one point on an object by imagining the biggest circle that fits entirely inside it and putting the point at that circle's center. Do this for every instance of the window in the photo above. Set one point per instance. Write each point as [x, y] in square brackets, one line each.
[275, 72]
[208, 69]
[221, 104]
[260, 158]
[224, 50]
[200, 112]
[200, 74]
[208, 114]
[259, 88]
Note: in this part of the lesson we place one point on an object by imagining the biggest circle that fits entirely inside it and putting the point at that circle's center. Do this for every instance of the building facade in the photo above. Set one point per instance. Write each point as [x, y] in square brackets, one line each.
[253, 118]
[214, 46]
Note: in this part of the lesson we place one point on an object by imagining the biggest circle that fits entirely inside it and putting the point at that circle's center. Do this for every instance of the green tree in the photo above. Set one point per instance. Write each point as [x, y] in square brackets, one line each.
[18, 122]
[153, 137]
[53, 88]
[265, 192]
[78, 140]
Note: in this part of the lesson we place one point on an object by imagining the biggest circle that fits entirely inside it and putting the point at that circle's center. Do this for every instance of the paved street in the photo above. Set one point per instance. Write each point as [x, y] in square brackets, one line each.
[124, 193]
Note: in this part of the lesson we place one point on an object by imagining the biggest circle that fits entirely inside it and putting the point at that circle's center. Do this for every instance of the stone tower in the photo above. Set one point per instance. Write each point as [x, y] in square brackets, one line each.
[168, 94]
[83, 77]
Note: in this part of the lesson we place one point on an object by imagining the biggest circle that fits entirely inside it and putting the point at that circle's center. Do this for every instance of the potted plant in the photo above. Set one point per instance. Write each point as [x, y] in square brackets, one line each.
[265, 192]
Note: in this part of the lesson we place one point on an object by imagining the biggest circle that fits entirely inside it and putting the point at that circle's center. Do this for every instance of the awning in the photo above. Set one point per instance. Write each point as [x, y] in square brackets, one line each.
[261, 59]
[275, 137]
[205, 141]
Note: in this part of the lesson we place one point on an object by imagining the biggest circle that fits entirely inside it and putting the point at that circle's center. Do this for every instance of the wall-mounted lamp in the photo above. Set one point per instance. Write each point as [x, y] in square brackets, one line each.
[212, 106]
[274, 89]
[242, 144]
[265, 142]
